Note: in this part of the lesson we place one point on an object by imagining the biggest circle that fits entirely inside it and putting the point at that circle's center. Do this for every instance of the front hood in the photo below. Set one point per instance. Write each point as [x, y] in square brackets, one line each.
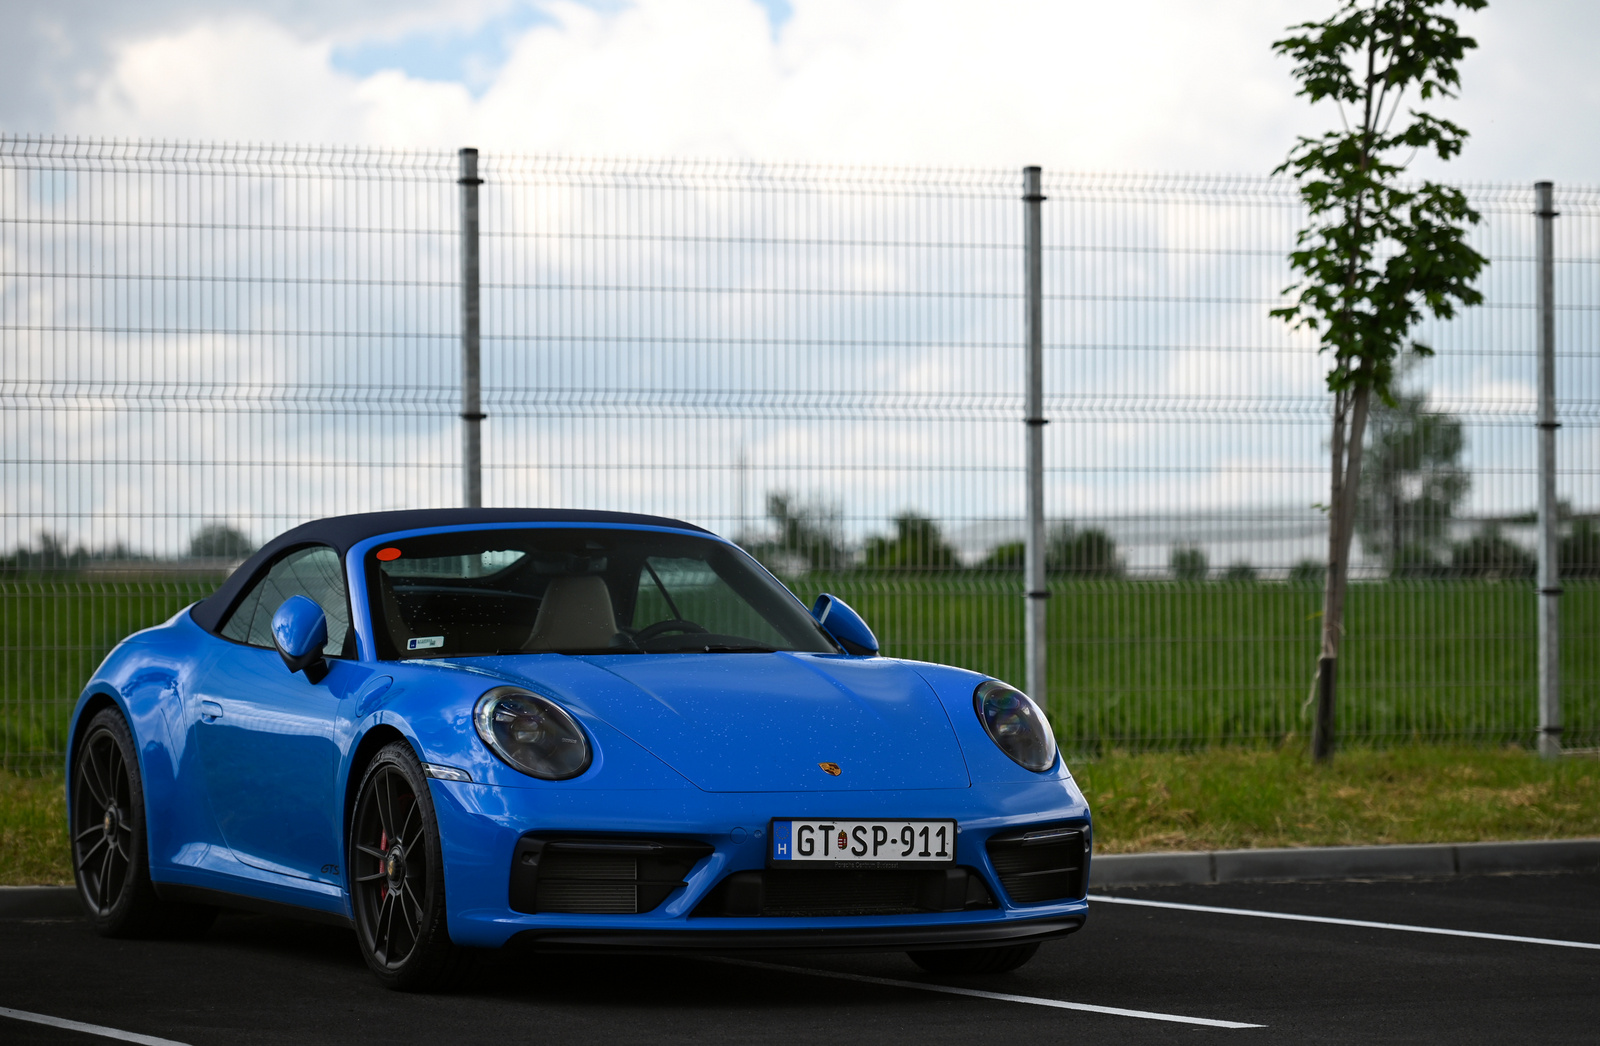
[763, 722]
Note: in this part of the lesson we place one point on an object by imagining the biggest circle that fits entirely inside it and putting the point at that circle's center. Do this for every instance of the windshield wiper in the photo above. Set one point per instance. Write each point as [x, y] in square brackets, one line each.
[735, 648]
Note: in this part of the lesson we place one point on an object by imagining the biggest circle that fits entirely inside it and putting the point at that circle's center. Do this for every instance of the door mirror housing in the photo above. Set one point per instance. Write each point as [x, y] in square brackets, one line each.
[840, 621]
[300, 631]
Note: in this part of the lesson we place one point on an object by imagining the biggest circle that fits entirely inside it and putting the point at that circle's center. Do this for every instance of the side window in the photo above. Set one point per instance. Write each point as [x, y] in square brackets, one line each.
[313, 572]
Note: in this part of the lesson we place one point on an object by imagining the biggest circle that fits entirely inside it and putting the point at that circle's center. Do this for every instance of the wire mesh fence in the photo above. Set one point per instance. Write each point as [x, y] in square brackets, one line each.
[205, 345]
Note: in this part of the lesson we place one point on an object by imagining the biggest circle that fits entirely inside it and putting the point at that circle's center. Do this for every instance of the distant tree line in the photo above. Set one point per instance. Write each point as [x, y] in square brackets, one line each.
[809, 535]
[1486, 555]
[1087, 552]
[50, 553]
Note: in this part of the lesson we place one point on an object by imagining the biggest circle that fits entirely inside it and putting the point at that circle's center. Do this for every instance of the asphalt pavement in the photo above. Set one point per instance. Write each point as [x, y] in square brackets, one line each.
[1136, 973]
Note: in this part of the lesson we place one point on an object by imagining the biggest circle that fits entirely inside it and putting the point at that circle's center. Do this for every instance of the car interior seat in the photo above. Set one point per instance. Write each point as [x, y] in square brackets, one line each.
[575, 614]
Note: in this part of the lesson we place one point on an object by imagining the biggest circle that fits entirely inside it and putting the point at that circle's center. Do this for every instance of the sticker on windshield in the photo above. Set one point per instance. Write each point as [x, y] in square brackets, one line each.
[425, 642]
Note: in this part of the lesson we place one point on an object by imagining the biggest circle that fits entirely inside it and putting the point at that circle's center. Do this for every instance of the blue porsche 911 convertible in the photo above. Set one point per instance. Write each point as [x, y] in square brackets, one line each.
[562, 730]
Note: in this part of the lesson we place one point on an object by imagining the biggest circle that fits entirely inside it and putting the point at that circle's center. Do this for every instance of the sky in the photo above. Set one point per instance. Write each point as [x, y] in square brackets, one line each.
[1134, 86]
[1140, 85]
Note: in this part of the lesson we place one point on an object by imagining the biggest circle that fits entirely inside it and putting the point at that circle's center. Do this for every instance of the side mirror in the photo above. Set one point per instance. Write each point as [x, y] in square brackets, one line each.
[300, 631]
[845, 625]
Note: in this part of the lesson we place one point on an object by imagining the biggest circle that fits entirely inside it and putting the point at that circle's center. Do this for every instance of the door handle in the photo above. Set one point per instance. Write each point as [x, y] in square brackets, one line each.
[210, 711]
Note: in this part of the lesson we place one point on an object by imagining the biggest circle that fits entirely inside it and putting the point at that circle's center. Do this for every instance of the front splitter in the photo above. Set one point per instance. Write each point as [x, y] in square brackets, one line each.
[878, 938]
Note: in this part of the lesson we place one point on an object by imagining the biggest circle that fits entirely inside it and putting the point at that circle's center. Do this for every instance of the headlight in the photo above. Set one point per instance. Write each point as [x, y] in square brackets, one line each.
[533, 734]
[1016, 724]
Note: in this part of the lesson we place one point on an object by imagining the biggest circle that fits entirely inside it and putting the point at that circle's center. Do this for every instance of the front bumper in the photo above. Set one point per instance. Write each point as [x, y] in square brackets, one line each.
[481, 824]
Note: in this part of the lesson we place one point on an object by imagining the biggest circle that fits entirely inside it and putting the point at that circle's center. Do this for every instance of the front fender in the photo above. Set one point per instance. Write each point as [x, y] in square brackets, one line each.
[430, 707]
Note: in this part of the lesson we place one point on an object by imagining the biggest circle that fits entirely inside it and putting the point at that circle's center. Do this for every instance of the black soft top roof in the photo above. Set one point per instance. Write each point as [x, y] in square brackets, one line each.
[341, 532]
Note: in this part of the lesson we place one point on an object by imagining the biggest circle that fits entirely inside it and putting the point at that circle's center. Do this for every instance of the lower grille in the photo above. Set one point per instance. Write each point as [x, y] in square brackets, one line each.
[1042, 864]
[828, 892]
[599, 876]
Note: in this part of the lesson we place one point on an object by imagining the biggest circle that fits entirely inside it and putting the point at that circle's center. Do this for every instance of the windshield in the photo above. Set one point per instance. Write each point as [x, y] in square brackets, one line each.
[578, 590]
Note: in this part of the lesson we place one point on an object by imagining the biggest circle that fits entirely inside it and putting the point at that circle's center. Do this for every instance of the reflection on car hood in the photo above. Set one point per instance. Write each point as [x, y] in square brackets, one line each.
[764, 722]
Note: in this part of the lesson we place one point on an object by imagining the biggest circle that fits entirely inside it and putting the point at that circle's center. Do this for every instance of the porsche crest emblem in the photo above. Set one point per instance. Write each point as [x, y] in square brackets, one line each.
[831, 769]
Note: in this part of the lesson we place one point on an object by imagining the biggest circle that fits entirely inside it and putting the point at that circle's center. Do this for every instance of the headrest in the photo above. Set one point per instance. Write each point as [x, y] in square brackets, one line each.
[575, 614]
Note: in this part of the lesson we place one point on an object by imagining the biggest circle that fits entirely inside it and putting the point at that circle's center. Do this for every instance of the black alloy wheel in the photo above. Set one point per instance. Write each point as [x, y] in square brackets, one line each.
[397, 876]
[109, 857]
[1003, 959]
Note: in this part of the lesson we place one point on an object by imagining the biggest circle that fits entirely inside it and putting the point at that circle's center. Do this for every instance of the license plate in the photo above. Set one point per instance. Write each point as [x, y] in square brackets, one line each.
[841, 843]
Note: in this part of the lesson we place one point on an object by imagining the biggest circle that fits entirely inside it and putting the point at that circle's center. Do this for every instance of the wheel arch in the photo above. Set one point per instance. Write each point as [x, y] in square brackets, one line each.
[371, 743]
[92, 703]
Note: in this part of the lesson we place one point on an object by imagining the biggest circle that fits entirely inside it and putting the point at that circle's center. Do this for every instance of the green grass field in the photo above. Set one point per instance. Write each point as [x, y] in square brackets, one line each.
[1139, 665]
[1134, 665]
[53, 634]
[1235, 797]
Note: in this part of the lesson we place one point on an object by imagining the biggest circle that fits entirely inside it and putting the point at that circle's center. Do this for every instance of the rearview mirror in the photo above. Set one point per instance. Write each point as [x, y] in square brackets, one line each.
[300, 631]
[845, 625]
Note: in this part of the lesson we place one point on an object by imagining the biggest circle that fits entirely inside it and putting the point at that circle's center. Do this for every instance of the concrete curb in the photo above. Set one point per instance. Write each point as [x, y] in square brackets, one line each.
[1344, 862]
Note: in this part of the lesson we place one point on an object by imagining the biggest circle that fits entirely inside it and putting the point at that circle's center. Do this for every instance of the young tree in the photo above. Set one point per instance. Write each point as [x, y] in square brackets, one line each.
[1378, 252]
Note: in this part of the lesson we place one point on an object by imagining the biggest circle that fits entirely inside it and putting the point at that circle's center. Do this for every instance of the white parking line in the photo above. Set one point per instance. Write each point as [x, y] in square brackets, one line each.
[1029, 1000]
[87, 1029]
[1551, 941]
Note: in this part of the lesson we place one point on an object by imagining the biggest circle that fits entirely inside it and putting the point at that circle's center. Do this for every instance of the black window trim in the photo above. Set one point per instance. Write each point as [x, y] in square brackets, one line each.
[346, 653]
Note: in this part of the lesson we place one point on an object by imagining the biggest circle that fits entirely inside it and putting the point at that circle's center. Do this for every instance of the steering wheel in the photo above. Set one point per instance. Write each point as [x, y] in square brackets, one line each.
[649, 632]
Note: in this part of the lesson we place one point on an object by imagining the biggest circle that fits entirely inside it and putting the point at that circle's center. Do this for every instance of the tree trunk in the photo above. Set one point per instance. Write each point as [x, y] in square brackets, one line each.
[1346, 480]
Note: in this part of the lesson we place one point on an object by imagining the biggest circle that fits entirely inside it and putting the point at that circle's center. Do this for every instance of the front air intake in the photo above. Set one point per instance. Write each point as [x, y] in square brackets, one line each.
[599, 875]
[833, 892]
[1042, 864]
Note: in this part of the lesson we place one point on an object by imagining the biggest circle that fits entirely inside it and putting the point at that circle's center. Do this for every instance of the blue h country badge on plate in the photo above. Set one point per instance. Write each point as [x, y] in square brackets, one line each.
[780, 841]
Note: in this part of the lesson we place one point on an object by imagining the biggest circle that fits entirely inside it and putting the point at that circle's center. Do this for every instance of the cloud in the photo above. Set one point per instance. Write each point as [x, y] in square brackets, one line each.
[1070, 84]
[1150, 84]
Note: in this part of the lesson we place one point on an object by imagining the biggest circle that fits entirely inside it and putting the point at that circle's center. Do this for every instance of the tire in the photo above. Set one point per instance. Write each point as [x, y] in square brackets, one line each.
[397, 877]
[110, 858]
[975, 960]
